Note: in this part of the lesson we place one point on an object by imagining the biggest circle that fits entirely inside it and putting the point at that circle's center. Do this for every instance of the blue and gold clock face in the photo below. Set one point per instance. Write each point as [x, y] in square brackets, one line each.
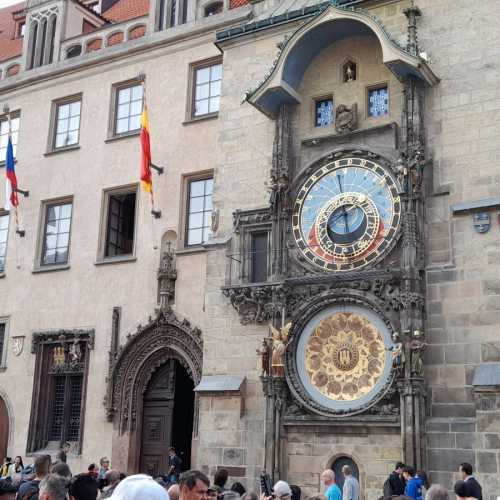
[346, 214]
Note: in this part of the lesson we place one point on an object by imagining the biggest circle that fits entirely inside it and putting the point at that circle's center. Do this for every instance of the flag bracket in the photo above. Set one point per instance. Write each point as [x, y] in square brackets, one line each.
[160, 170]
[156, 213]
[21, 233]
[23, 192]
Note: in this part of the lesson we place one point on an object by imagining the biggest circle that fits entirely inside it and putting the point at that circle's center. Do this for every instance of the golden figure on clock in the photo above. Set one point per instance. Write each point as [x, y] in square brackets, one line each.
[346, 214]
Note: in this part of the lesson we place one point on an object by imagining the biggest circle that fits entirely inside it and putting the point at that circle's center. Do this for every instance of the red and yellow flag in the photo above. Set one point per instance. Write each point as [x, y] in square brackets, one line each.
[146, 179]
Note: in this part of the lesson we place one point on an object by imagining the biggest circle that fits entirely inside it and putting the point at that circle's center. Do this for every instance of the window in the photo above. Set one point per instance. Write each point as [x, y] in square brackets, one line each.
[378, 101]
[324, 112]
[59, 385]
[21, 29]
[67, 123]
[206, 89]
[259, 256]
[120, 208]
[4, 135]
[199, 211]
[128, 110]
[4, 232]
[57, 226]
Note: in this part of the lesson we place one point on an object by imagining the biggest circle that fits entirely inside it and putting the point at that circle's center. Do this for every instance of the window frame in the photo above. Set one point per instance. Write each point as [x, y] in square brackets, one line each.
[249, 234]
[185, 199]
[5, 213]
[103, 229]
[54, 118]
[191, 104]
[113, 114]
[4, 320]
[4, 117]
[377, 86]
[317, 99]
[40, 247]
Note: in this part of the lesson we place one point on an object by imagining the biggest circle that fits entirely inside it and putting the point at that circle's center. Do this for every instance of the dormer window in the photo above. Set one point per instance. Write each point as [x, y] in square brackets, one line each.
[213, 9]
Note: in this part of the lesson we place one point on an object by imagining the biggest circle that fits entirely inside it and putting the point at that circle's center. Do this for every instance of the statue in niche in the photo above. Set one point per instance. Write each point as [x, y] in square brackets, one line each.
[280, 341]
[265, 353]
[398, 356]
[346, 119]
[349, 72]
[167, 275]
[417, 347]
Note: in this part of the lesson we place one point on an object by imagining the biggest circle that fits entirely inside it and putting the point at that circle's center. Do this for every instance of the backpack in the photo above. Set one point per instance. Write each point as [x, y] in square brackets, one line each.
[387, 488]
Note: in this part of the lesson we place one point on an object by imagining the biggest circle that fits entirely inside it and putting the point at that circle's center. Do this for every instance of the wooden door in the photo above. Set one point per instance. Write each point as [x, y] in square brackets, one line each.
[157, 420]
[4, 429]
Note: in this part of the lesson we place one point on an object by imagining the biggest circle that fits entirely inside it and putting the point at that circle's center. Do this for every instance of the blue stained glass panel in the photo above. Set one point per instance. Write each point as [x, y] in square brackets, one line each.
[324, 113]
[378, 100]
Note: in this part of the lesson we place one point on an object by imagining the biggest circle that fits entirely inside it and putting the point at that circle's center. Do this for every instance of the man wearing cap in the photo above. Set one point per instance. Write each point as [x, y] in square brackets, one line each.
[282, 490]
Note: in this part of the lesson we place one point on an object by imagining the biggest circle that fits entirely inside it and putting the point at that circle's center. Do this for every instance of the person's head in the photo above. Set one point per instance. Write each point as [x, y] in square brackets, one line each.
[104, 462]
[193, 485]
[238, 488]
[7, 460]
[83, 487]
[7, 490]
[220, 477]
[437, 492]
[42, 466]
[346, 470]
[171, 451]
[465, 470]
[66, 447]
[296, 492]
[61, 469]
[399, 467]
[112, 477]
[174, 492]
[460, 489]
[139, 487]
[53, 487]
[408, 472]
[282, 490]
[328, 477]
[19, 461]
[229, 495]
[92, 469]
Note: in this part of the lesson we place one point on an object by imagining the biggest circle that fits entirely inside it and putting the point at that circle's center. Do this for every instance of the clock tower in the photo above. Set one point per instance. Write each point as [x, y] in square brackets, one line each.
[344, 266]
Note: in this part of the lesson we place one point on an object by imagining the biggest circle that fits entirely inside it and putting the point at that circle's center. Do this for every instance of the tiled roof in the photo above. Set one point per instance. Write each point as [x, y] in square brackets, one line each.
[123, 10]
[9, 45]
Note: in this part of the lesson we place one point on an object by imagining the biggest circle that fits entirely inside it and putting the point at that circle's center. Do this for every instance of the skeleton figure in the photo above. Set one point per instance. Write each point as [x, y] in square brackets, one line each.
[280, 340]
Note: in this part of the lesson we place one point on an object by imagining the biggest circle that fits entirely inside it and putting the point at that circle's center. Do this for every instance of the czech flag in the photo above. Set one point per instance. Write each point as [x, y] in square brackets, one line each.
[11, 199]
[146, 179]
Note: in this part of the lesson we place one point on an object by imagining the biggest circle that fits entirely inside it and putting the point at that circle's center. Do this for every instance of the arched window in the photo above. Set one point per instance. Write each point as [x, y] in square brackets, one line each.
[213, 9]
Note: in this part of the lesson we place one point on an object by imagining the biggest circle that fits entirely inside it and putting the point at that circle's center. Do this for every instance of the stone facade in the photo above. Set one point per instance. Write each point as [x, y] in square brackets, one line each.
[460, 278]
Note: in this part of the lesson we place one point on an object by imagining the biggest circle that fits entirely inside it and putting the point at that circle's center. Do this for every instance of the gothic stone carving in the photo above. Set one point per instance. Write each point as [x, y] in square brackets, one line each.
[167, 276]
[346, 119]
[164, 337]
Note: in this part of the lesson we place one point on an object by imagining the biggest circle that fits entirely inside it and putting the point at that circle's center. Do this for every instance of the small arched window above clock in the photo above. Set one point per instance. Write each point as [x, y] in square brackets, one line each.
[349, 71]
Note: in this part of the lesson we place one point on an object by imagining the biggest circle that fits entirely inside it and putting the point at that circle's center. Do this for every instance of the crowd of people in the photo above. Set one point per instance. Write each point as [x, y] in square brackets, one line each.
[44, 480]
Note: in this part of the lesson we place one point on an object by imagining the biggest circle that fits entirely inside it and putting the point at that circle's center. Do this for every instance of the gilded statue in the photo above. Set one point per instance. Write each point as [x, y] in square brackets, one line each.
[280, 341]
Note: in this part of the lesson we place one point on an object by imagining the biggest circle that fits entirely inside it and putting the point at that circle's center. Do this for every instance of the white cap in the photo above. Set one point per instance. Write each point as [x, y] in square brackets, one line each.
[282, 489]
[139, 487]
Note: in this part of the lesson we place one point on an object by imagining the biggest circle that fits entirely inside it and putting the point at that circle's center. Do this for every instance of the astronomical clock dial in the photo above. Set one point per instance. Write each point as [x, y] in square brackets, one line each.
[344, 357]
[346, 214]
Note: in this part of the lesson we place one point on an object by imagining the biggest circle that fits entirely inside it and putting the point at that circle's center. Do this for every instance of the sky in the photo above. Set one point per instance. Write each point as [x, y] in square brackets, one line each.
[6, 3]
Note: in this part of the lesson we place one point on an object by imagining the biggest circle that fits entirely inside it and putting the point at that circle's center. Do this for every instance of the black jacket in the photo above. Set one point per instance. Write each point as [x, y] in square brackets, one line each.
[473, 488]
[395, 484]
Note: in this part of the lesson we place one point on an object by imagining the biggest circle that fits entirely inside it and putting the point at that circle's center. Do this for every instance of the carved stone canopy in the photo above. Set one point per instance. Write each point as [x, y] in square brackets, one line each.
[163, 338]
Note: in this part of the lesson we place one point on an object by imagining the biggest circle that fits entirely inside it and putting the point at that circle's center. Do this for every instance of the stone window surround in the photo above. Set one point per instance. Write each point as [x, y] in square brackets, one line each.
[190, 107]
[2, 271]
[322, 97]
[183, 219]
[115, 88]
[56, 103]
[106, 193]
[377, 86]
[4, 320]
[38, 267]
[203, 4]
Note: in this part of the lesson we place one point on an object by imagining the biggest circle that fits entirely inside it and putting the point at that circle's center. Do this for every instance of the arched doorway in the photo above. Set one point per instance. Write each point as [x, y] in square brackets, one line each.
[4, 429]
[168, 412]
[337, 465]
